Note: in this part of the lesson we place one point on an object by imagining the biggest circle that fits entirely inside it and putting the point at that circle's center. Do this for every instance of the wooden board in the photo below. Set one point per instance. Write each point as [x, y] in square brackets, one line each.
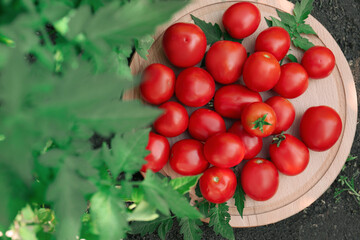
[337, 90]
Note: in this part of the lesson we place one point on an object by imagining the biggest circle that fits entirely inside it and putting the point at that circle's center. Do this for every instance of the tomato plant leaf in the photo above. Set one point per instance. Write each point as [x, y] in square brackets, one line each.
[164, 228]
[268, 22]
[292, 58]
[302, 10]
[230, 38]
[212, 32]
[189, 228]
[305, 28]
[278, 23]
[219, 220]
[239, 197]
[161, 195]
[143, 227]
[204, 207]
[286, 18]
[302, 43]
[143, 44]
[109, 215]
[184, 184]
[143, 212]
[198, 191]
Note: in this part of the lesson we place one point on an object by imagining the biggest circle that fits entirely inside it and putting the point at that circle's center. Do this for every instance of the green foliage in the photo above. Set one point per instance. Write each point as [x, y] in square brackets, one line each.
[219, 220]
[292, 58]
[184, 184]
[189, 228]
[239, 197]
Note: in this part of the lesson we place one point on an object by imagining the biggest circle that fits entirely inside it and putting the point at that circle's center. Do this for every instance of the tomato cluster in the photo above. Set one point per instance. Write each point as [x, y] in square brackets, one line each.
[184, 45]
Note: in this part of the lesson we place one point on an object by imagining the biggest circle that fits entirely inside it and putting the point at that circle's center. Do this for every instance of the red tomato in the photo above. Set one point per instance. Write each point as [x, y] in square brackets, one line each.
[320, 128]
[224, 150]
[184, 44]
[159, 153]
[241, 19]
[218, 185]
[261, 71]
[173, 121]
[187, 157]
[205, 123]
[194, 87]
[274, 40]
[229, 101]
[318, 61]
[289, 154]
[259, 179]
[225, 60]
[285, 113]
[252, 144]
[293, 81]
[157, 83]
[259, 119]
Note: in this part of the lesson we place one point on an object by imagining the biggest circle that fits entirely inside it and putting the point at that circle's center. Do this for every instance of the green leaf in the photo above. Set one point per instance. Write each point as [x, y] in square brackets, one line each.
[268, 22]
[189, 228]
[143, 212]
[302, 10]
[219, 220]
[143, 45]
[198, 191]
[67, 193]
[278, 23]
[161, 195]
[230, 38]
[305, 28]
[292, 58]
[144, 228]
[204, 207]
[76, 21]
[239, 199]
[184, 184]
[164, 228]
[109, 215]
[7, 41]
[27, 233]
[212, 32]
[302, 43]
[286, 18]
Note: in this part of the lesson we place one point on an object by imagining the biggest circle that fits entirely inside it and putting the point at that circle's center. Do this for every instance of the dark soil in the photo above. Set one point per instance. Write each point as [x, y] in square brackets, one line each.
[326, 218]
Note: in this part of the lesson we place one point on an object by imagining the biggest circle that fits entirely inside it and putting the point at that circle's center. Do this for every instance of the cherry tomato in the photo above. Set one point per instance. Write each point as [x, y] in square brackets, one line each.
[289, 154]
[320, 128]
[261, 71]
[187, 157]
[318, 61]
[229, 101]
[259, 119]
[159, 148]
[173, 121]
[218, 185]
[224, 150]
[241, 19]
[293, 81]
[157, 83]
[184, 44]
[225, 60]
[205, 123]
[194, 87]
[274, 40]
[252, 144]
[285, 113]
[259, 179]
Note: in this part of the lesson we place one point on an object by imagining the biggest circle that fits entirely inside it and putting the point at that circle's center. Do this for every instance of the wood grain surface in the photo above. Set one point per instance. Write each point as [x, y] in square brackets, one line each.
[337, 91]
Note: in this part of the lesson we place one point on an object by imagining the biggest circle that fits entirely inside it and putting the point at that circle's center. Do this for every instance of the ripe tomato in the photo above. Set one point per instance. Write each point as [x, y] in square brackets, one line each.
[320, 128]
[259, 179]
[241, 19]
[218, 185]
[173, 121]
[259, 119]
[224, 150]
[252, 144]
[184, 44]
[285, 113]
[293, 81]
[274, 40]
[289, 154]
[159, 153]
[157, 84]
[194, 87]
[187, 157]
[229, 101]
[225, 60]
[318, 61]
[205, 123]
[261, 71]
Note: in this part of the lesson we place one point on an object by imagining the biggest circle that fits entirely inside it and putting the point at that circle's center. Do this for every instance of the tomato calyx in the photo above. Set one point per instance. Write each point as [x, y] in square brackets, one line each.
[260, 122]
[278, 139]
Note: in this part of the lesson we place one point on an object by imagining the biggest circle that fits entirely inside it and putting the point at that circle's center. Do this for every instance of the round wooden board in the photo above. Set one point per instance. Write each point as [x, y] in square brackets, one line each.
[337, 90]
